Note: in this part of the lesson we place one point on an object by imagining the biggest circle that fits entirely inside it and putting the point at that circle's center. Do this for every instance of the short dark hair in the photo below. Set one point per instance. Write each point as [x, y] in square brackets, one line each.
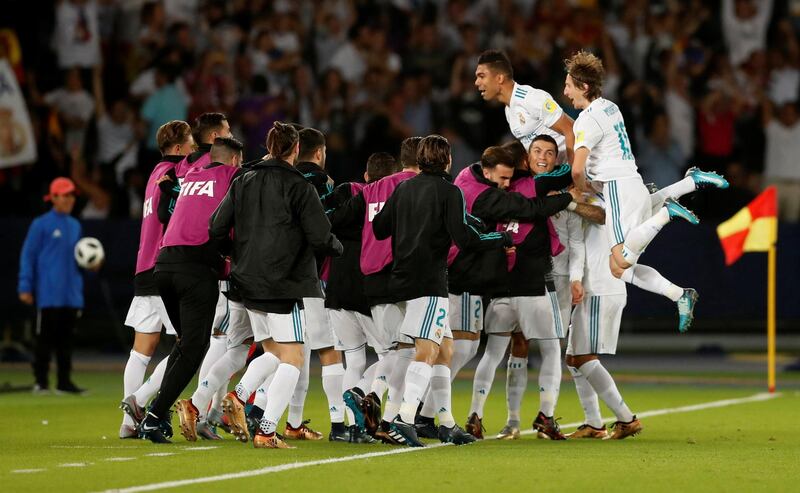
[408, 151]
[207, 123]
[497, 61]
[379, 165]
[281, 140]
[433, 154]
[497, 155]
[546, 138]
[311, 139]
[224, 148]
[517, 152]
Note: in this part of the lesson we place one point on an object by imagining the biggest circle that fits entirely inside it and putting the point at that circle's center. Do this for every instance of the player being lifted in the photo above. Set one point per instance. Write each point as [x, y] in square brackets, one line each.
[603, 157]
[529, 111]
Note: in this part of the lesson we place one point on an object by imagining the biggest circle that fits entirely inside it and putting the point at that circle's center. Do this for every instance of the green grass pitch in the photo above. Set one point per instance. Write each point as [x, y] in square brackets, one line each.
[64, 443]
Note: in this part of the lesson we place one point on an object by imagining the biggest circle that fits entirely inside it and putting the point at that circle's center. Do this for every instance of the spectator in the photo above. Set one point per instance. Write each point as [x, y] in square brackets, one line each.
[659, 157]
[744, 24]
[780, 165]
[117, 142]
[167, 103]
[75, 107]
[77, 37]
[49, 278]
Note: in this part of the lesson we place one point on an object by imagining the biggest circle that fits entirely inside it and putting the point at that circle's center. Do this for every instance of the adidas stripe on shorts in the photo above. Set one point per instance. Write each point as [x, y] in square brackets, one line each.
[465, 312]
[627, 204]
[280, 327]
[222, 314]
[595, 325]
[424, 318]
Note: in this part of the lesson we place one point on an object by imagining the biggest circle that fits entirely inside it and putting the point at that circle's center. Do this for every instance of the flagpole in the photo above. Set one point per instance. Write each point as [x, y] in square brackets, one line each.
[771, 274]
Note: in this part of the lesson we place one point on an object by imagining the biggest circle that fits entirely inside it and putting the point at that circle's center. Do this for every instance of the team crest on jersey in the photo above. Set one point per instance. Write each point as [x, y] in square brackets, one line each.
[549, 106]
[580, 136]
[521, 118]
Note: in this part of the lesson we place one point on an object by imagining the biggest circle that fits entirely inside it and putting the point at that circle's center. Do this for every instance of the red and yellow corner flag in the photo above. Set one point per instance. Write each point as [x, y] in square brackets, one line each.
[752, 229]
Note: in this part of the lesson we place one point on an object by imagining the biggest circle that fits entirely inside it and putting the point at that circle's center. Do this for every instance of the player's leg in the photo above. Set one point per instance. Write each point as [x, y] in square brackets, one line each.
[441, 395]
[287, 341]
[630, 231]
[540, 319]
[145, 321]
[694, 179]
[425, 322]
[516, 383]
[501, 320]
[218, 343]
[195, 298]
[581, 334]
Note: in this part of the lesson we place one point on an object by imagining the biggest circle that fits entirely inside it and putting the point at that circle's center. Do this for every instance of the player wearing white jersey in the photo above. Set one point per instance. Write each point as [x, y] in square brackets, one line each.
[603, 158]
[529, 111]
[594, 331]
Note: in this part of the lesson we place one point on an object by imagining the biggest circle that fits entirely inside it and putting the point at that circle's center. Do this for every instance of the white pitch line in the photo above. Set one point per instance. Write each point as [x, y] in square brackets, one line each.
[160, 454]
[26, 471]
[119, 459]
[298, 465]
[73, 464]
[201, 448]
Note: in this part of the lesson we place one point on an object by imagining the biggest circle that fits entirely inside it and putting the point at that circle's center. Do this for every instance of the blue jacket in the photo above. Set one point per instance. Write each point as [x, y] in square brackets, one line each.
[47, 266]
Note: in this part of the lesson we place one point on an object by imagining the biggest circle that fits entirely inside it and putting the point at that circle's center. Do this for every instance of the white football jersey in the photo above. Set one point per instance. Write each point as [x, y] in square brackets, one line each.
[597, 278]
[570, 262]
[531, 112]
[601, 129]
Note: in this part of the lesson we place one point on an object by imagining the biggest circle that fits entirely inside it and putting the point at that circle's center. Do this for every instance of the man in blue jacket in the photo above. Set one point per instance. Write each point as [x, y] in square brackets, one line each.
[49, 277]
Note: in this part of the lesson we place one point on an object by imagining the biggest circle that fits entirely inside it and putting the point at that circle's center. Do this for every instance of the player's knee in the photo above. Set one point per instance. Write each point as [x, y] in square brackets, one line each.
[519, 345]
[329, 356]
[146, 343]
[445, 352]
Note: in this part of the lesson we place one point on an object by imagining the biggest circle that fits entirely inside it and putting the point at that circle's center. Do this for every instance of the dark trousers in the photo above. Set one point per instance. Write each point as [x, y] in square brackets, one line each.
[190, 302]
[54, 329]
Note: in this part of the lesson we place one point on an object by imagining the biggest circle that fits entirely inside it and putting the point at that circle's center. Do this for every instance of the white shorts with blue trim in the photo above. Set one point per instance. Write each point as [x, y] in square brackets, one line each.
[627, 204]
[280, 327]
[564, 295]
[595, 325]
[537, 317]
[424, 318]
[147, 314]
[319, 334]
[353, 330]
[466, 313]
[387, 319]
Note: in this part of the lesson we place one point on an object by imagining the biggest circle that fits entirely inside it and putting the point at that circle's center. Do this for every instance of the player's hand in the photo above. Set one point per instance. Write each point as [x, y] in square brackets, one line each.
[511, 250]
[162, 179]
[577, 195]
[577, 292]
[97, 267]
[26, 298]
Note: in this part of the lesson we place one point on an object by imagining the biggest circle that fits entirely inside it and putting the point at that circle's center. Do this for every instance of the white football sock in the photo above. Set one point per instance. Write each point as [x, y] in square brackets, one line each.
[217, 347]
[428, 404]
[332, 377]
[397, 379]
[606, 389]
[674, 191]
[152, 384]
[367, 379]
[639, 237]
[232, 361]
[516, 383]
[258, 371]
[298, 400]
[280, 391]
[588, 398]
[418, 377]
[356, 360]
[463, 352]
[216, 400]
[380, 384]
[549, 375]
[484, 375]
[441, 395]
[262, 394]
[649, 279]
[132, 379]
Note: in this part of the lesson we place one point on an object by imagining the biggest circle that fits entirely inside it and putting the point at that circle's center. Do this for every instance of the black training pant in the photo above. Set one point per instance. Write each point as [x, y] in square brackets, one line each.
[190, 301]
[54, 328]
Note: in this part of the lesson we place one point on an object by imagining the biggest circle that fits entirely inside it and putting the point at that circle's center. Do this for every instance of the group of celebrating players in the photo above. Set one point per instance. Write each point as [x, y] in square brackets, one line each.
[269, 261]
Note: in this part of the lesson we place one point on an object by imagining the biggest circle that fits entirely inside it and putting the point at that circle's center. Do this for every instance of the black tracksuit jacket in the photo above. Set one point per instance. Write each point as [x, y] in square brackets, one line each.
[279, 225]
[423, 216]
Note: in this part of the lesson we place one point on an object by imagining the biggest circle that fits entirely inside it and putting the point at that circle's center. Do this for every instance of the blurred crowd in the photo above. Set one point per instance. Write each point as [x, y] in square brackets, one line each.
[711, 83]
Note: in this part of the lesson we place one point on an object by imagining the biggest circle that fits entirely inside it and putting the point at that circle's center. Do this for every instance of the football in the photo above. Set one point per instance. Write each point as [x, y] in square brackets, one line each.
[89, 252]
